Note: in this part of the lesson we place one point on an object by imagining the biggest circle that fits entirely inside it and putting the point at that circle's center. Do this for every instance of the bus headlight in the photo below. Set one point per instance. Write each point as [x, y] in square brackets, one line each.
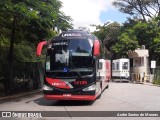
[45, 87]
[90, 88]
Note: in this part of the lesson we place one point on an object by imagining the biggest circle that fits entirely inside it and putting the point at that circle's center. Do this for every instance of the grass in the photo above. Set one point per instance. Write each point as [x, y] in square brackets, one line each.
[157, 76]
[156, 81]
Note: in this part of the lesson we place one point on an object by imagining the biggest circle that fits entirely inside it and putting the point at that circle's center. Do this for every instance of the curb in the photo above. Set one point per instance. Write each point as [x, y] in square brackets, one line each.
[19, 95]
[150, 84]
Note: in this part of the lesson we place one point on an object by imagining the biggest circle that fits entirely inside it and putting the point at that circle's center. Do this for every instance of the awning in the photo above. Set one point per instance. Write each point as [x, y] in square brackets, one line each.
[138, 53]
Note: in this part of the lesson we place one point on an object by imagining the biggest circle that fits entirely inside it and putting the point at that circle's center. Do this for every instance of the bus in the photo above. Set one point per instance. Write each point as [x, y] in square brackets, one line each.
[72, 67]
[105, 70]
[121, 69]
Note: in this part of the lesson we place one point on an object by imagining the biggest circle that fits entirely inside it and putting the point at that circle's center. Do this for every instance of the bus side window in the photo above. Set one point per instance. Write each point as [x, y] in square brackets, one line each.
[125, 65]
[117, 66]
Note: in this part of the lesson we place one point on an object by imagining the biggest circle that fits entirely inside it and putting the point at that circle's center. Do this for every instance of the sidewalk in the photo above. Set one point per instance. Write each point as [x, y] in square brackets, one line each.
[134, 82]
[20, 95]
[151, 84]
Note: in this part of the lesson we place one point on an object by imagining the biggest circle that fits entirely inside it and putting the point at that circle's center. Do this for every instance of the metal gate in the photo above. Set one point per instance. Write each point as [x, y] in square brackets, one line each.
[27, 76]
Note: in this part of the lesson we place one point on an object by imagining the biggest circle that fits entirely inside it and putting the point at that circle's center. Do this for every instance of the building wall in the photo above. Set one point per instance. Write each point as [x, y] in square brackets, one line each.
[140, 64]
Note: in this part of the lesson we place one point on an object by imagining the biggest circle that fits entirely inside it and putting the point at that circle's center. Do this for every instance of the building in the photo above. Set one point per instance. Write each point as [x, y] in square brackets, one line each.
[139, 64]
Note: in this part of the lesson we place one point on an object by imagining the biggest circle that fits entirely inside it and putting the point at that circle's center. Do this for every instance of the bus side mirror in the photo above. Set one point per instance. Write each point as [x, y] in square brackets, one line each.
[96, 50]
[39, 47]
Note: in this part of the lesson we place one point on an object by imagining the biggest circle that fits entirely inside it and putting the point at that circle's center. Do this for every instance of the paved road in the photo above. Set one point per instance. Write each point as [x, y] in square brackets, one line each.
[119, 97]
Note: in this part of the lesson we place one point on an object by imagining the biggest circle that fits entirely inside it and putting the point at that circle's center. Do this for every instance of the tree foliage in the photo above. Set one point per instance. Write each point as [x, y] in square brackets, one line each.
[132, 34]
[136, 33]
[142, 29]
[23, 24]
[108, 34]
[127, 41]
[31, 20]
[142, 8]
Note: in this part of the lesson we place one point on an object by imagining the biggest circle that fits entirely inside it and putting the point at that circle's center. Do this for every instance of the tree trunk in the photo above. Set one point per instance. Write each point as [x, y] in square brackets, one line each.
[11, 52]
[141, 9]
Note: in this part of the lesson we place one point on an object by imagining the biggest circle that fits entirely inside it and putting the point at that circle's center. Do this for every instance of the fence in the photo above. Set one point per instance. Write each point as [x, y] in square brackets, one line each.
[28, 77]
[156, 79]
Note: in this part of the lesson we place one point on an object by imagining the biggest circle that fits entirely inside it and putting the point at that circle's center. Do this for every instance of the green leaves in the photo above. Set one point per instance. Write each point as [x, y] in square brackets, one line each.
[23, 24]
[24, 52]
[156, 44]
[142, 8]
[138, 34]
[108, 34]
[34, 15]
[127, 41]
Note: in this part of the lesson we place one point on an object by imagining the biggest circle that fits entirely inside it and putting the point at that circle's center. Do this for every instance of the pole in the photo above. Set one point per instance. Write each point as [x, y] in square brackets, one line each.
[153, 73]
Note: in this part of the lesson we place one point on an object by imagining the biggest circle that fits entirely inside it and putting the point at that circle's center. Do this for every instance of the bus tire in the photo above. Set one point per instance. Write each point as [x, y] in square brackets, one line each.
[99, 96]
[107, 86]
[112, 80]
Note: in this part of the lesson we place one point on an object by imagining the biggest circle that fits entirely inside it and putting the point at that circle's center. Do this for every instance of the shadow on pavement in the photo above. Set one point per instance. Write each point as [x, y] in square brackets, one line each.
[20, 97]
[121, 81]
[43, 102]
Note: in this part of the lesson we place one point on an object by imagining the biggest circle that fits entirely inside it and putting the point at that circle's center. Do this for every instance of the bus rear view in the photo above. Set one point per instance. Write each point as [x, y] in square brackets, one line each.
[71, 68]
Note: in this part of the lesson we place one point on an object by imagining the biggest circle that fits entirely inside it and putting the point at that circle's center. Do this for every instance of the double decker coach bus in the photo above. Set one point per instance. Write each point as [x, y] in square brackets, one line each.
[72, 67]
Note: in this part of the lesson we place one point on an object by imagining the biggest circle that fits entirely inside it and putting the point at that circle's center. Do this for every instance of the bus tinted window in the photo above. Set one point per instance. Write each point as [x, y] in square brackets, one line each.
[70, 54]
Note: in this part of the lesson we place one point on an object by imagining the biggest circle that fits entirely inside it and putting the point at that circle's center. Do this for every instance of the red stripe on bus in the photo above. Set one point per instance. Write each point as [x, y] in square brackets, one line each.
[57, 83]
[72, 97]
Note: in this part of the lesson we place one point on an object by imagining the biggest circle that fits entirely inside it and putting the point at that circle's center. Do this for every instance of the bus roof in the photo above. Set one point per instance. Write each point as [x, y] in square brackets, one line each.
[76, 33]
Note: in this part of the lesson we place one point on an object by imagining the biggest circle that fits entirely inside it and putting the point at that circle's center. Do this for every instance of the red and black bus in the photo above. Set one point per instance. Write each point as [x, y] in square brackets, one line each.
[72, 67]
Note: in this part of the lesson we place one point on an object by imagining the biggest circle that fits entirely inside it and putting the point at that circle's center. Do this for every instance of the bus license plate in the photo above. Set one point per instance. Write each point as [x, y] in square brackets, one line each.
[67, 95]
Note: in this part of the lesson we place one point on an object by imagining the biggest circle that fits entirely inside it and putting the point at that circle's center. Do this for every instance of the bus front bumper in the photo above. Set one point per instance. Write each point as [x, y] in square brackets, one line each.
[70, 97]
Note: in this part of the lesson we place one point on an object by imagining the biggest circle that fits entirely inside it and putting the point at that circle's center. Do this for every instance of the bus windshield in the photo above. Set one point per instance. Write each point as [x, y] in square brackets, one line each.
[70, 55]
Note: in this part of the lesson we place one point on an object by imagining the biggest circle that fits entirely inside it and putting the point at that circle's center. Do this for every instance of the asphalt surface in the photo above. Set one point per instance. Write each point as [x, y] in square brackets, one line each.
[119, 97]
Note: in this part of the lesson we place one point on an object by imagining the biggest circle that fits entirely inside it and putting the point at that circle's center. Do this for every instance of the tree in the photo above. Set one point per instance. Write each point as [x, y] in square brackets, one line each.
[31, 21]
[143, 8]
[136, 33]
[108, 34]
[142, 29]
[127, 42]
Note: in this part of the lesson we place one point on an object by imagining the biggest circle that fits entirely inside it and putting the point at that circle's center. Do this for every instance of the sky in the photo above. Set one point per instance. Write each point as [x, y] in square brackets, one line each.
[87, 12]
